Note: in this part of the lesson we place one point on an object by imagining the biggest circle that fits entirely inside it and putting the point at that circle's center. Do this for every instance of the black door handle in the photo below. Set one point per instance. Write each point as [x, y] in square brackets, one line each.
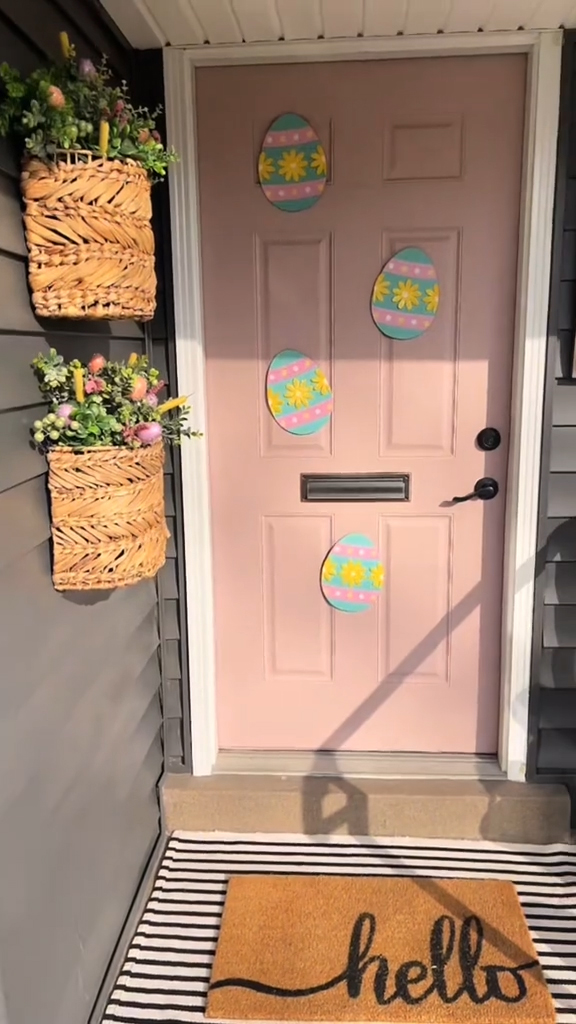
[484, 489]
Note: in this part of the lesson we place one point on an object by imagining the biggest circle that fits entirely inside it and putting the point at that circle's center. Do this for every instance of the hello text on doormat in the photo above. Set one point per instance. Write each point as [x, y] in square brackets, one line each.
[398, 950]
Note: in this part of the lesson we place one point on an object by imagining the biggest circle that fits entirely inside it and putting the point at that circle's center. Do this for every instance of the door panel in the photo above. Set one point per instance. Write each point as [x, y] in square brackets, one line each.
[304, 261]
[423, 153]
[297, 627]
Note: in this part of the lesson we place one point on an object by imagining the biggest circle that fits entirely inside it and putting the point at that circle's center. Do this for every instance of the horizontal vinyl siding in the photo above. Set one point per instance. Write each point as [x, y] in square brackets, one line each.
[552, 744]
[80, 722]
[171, 581]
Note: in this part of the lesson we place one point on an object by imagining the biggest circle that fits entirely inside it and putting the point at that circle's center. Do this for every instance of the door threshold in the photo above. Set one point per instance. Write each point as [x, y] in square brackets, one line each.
[350, 764]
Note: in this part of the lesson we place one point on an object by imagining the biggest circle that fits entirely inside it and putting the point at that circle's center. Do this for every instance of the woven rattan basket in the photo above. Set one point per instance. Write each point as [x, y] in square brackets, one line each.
[89, 236]
[108, 523]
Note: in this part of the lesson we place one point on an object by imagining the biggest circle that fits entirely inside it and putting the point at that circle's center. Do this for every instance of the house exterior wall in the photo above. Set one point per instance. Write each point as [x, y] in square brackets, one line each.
[161, 347]
[80, 674]
[552, 713]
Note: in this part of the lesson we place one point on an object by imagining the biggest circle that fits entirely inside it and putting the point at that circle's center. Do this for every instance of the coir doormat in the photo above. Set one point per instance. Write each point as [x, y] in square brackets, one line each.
[398, 950]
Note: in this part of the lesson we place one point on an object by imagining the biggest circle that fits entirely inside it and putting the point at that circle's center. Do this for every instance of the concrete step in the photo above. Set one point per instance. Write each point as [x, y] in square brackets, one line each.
[318, 805]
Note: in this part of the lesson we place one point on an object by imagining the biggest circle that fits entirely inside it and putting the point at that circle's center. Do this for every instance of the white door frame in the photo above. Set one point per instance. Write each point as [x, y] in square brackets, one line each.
[543, 96]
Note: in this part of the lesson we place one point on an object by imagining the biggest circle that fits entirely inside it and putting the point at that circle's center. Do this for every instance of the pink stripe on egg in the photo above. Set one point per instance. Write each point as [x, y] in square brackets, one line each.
[291, 138]
[354, 551]
[289, 371]
[423, 271]
[350, 596]
[408, 321]
[284, 193]
[300, 416]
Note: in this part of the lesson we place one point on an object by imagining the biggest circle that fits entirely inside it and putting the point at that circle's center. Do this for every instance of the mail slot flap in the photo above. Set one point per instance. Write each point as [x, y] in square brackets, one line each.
[355, 487]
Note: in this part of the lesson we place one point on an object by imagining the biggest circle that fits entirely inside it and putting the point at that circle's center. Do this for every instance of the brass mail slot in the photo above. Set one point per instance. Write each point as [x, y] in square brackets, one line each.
[355, 487]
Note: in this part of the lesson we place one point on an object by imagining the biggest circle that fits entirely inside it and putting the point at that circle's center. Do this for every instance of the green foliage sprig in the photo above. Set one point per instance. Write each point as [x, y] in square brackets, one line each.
[73, 106]
[103, 404]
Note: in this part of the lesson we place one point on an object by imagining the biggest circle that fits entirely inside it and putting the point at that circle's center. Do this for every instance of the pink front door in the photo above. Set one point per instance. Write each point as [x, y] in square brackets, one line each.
[423, 153]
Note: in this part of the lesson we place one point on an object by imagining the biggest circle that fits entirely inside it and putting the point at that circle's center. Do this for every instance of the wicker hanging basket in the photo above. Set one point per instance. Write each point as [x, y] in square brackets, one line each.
[108, 523]
[88, 230]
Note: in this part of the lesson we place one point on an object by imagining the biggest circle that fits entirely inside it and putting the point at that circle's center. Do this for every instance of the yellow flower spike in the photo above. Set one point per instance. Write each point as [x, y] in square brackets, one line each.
[173, 403]
[133, 358]
[78, 374]
[104, 137]
[65, 45]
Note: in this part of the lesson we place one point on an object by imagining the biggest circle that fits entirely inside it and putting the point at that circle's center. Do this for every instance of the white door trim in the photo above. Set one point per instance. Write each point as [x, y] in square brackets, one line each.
[543, 95]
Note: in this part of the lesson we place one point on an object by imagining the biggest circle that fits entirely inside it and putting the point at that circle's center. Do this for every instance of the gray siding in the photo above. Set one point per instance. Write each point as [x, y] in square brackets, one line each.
[80, 719]
[171, 582]
[552, 745]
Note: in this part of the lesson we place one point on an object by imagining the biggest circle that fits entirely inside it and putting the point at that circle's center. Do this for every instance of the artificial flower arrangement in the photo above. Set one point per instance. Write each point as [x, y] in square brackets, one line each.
[106, 403]
[74, 105]
[104, 437]
[89, 157]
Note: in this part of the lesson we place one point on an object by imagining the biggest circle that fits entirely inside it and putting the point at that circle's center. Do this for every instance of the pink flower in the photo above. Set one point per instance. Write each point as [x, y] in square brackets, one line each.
[86, 69]
[94, 385]
[158, 387]
[56, 97]
[119, 107]
[156, 136]
[65, 411]
[151, 399]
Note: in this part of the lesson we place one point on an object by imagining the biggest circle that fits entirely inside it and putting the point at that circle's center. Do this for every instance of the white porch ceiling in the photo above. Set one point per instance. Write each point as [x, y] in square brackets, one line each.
[153, 23]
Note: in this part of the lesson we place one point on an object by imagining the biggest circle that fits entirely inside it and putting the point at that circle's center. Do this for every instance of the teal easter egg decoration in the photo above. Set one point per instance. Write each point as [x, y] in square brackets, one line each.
[406, 295]
[298, 393]
[292, 164]
[352, 574]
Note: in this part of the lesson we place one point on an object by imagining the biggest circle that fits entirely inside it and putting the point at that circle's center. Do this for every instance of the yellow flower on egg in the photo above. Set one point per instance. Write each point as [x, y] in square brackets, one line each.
[407, 295]
[318, 162]
[298, 393]
[377, 576]
[329, 570]
[432, 298]
[265, 167]
[320, 383]
[353, 574]
[292, 166]
[275, 403]
[381, 288]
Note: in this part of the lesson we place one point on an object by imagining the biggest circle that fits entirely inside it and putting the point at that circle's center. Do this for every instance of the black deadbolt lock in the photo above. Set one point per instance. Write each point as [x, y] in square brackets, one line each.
[489, 439]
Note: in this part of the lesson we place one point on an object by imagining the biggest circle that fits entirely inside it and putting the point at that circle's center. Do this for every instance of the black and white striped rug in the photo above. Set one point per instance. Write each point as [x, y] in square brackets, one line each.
[167, 969]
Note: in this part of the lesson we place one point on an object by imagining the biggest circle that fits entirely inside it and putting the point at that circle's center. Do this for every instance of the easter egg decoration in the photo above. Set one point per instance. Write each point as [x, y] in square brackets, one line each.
[292, 164]
[148, 433]
[405, 295]
[298, 393]
[352, 574]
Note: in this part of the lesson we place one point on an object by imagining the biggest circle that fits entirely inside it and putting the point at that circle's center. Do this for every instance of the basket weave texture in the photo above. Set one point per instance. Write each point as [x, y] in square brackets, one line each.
[108, 522]
[90, 243]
